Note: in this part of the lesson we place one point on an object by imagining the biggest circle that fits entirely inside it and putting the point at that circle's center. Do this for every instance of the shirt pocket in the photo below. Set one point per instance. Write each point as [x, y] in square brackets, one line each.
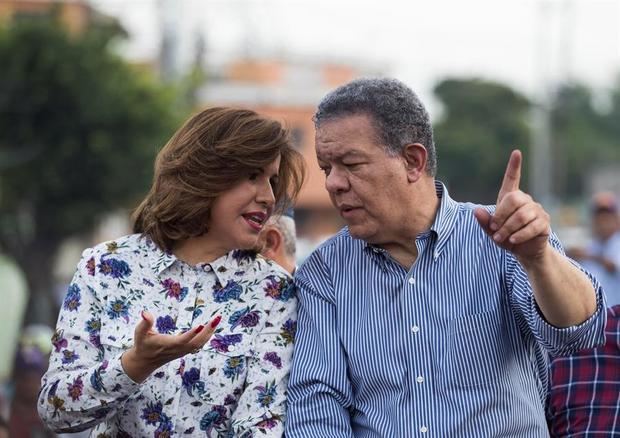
[224, 365]
[478, 350]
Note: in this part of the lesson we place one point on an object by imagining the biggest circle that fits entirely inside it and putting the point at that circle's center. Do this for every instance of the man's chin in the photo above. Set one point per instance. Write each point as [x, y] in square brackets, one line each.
[359, 232]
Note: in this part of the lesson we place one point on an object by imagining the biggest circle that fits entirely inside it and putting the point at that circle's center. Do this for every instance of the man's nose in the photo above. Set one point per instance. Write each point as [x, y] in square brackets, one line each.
[336, 181]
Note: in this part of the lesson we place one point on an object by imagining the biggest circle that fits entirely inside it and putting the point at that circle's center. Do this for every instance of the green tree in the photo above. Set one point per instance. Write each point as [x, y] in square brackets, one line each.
[79, 129]
[481, 123]
[583, 137]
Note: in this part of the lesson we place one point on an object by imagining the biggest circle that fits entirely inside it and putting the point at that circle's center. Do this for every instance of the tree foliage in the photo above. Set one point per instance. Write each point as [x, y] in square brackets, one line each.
[481, 123]
[79, 129]
[584, 137]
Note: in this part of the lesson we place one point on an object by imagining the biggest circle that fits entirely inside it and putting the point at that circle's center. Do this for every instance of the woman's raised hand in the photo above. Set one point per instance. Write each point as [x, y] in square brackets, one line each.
[152, 350]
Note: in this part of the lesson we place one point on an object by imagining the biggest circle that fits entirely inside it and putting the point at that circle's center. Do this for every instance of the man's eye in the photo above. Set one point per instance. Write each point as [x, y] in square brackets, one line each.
[352, 165]
[326, 170]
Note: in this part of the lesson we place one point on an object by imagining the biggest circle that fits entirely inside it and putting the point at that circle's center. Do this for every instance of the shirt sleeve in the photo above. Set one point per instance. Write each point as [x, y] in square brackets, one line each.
[82, 387]
[262, 406]
[320, 394]
[557, 341]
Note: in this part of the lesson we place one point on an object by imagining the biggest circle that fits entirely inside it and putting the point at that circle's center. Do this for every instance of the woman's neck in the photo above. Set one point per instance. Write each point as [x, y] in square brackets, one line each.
[196, 250]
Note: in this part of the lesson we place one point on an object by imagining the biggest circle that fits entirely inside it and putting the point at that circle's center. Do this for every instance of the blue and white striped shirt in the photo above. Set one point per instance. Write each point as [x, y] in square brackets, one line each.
[454, 347]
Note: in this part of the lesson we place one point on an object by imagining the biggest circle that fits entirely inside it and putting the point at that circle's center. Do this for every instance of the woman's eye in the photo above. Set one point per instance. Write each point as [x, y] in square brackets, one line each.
[253, 176]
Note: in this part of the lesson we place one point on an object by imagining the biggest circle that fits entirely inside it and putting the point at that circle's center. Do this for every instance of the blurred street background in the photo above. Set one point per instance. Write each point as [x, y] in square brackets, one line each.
[91, 90]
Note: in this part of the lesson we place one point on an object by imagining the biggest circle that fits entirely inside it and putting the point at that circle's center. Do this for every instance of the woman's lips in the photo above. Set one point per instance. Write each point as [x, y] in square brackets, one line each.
[255, 220]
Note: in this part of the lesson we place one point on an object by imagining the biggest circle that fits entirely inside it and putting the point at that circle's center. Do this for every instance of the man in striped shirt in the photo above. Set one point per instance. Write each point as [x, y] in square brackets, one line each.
[426, 316]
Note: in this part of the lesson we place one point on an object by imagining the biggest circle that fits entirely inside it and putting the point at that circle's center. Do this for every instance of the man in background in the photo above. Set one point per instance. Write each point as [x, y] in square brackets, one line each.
[277, 240]
[602, 256]
[584, 389]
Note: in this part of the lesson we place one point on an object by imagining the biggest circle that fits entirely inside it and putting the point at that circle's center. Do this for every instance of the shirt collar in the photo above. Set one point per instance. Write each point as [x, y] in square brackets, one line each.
[442, 226]
[159, 259]
[445, 218]
[232, 265]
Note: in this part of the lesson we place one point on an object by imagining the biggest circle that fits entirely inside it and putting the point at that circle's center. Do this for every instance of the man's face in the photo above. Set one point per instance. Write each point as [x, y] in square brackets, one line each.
[605, 224]
[365, 184]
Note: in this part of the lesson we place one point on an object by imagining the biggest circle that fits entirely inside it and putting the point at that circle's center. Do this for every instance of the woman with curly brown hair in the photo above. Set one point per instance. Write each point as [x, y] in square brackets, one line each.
[180, 328]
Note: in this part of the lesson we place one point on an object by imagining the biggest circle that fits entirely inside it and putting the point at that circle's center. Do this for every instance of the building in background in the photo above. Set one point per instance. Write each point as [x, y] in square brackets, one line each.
[75, 15]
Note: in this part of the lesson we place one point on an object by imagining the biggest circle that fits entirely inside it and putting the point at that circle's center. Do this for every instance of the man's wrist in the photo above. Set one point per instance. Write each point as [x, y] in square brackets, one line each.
[536, 262]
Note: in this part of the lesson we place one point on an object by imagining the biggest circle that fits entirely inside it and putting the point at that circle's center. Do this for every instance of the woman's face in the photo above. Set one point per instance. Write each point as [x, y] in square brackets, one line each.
[238, 215]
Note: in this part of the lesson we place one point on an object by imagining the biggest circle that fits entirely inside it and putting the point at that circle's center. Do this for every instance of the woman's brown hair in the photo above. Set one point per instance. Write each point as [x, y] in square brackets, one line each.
[214, 150]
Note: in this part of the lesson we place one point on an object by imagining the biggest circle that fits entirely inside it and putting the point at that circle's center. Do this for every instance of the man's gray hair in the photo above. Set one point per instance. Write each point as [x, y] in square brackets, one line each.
[396, 111]
[286, 225]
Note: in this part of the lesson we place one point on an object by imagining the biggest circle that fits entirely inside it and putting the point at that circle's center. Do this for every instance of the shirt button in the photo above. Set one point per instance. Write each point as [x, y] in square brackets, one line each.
[208, 268]
[424, 429]
[231, 348]
[411, 280]
[420, 379]
[415, 329]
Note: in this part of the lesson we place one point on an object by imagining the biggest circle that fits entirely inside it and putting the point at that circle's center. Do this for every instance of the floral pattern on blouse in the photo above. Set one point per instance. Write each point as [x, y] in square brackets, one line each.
[234, 387]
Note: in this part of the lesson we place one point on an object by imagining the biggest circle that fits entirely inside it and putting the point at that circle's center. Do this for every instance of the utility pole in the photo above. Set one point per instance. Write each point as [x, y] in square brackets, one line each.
[541, 170]
[169, 49]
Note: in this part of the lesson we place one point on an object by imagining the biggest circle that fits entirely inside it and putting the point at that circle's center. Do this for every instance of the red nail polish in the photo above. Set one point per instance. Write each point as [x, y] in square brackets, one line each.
[216, 321]
[199, 328]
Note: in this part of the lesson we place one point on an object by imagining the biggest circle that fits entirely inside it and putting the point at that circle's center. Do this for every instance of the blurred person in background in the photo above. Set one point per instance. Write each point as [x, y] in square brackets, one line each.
[31, 361]
[4, 428]
[136, 351]
[277, 240]
[584, 389]
[426, 316]
[602, 256]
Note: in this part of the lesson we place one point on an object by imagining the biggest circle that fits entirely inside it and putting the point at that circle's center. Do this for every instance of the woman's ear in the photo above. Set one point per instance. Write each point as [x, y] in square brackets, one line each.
[415, 156]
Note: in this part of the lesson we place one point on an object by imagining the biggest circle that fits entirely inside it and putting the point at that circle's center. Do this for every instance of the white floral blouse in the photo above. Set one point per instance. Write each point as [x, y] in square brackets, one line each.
[234, 387]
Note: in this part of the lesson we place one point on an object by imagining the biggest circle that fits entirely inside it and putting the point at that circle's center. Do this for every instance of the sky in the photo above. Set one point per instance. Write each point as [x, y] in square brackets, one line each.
[528, 44]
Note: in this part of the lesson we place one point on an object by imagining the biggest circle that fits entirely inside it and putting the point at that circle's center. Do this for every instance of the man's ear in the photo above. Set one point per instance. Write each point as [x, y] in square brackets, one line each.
[272, 242]
[415, 156]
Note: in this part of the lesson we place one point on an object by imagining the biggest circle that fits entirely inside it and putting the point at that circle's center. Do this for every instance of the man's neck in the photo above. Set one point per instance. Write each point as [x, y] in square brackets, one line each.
[419, 218]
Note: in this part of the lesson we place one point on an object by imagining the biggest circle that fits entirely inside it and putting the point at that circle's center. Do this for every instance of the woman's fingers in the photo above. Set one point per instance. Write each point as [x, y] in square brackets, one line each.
[162, 348]
[152, 350]
[144, 327]
[196, 338]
